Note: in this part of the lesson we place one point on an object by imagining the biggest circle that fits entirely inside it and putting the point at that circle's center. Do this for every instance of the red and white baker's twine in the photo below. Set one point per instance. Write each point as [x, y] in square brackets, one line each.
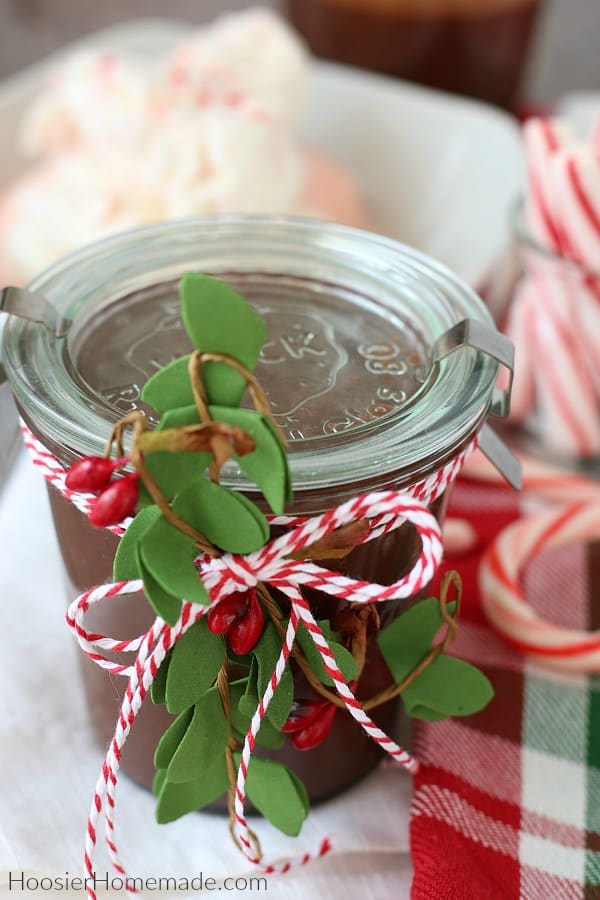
[385, 510]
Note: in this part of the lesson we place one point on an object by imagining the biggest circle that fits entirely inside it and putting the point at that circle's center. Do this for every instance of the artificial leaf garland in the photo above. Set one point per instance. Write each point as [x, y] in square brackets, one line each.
[213, 677]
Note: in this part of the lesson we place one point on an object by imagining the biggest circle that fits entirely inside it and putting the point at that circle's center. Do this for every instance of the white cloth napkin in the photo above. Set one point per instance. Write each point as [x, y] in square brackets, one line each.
[49, 761]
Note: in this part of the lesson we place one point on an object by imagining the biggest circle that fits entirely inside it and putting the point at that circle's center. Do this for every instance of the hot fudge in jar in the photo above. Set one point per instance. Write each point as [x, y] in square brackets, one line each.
[352, 378]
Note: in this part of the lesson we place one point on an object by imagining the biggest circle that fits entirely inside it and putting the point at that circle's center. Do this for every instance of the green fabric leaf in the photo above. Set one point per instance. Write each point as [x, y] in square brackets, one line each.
[343, 657]
[228, 519]
[409, 637]
[125, 565]
[168, 554]
[266, 466]
[175, 800]
[158, 781]
[239, 720]
[170, 386]
[249, 699]
[172, 738]
[159, 684]
[195, 663]
[180, 417]
[274, 791]
[164, 604]
[267, 653]
[219, 320]
[448, 687]
[267, 736]
[244, 661]
[204, 741]
[301, 789]
[289, 492]
[173, 471]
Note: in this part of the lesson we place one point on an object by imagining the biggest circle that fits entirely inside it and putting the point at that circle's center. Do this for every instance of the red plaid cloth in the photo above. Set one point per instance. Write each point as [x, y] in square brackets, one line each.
[507, 802]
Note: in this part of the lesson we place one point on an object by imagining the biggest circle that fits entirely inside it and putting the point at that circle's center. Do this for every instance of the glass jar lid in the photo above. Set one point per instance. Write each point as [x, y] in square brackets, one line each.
[349, 364]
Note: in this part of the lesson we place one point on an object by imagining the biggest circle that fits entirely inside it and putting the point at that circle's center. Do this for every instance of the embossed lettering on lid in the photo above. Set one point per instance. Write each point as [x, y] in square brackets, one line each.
[326, 367]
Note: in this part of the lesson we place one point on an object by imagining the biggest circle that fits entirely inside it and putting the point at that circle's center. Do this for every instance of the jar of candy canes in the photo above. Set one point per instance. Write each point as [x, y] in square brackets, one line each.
[554, 319]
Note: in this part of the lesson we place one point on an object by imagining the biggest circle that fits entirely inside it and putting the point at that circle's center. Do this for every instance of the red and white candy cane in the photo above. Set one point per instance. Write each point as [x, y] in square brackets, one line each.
[503, 598]
[385, 511]
[556, 317]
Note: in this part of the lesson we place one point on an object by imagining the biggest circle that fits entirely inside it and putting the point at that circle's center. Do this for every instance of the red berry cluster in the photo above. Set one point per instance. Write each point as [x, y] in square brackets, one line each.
[240, 616]
[115, 499]
[309, 723]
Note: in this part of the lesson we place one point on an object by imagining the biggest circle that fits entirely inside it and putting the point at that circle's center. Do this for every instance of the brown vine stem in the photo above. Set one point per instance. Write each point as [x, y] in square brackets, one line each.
[259, 398]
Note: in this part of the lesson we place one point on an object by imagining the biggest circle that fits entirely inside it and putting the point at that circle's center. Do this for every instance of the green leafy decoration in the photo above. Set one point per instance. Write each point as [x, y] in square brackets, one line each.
[204, 740]
[301, 789]
[172, 738]
[289, 492]
[125, 565]
[343, 657]
[195, 663]
[277, 794]
[219, 320]
[175, 800]
[173, 471]
[406, 640]
[448, 686]
[267, 653]
[228, 519]
[158, 691]
[165, 605]
[249, 699]
[266, 466]
[170, 387]
[158, 781]
[267, 736]
[168, 554]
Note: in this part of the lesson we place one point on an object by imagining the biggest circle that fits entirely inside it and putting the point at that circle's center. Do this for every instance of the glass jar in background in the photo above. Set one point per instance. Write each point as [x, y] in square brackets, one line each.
[473, 47]
[554, 321]
[351, 375]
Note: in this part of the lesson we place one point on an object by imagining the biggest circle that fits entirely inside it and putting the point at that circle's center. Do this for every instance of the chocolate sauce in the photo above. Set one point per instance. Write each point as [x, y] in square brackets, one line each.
[477, 48]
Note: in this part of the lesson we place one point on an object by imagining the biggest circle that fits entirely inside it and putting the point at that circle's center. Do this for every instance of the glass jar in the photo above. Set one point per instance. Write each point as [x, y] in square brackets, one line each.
[350, 374]
[554, 321]
[473, 47]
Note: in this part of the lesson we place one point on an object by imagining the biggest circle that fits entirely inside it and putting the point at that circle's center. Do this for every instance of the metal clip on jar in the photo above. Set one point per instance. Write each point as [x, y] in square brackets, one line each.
[379, 365]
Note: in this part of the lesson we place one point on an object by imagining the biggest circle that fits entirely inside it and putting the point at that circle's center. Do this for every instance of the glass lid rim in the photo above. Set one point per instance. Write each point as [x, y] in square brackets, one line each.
[337, 465]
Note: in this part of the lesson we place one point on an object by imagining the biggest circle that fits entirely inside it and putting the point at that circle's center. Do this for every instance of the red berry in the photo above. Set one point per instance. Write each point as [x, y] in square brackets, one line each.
[302, 714]
[115, 502]
[90, 474]
[229, 611]
[244, 635]
[317, 731]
